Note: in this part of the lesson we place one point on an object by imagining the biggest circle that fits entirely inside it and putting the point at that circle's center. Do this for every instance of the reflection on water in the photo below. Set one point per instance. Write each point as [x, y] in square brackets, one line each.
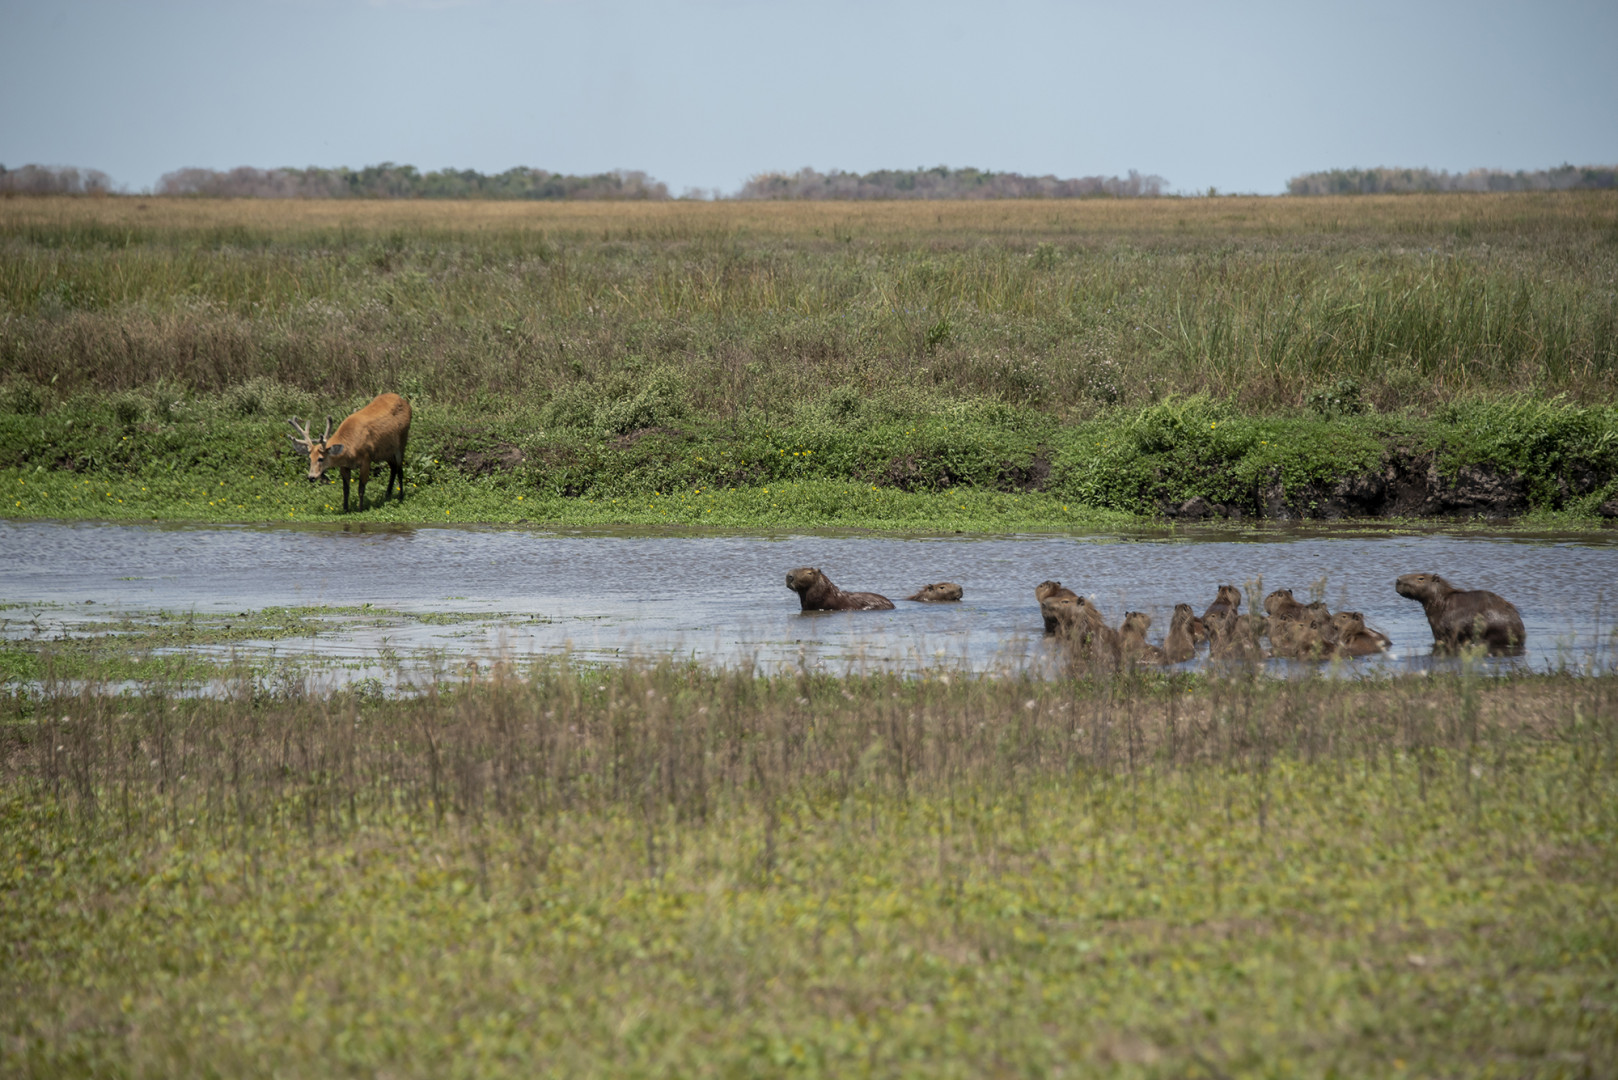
[721, 598]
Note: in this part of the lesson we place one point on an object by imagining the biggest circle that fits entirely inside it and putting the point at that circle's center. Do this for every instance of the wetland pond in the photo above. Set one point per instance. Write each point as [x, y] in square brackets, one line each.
[443, 598]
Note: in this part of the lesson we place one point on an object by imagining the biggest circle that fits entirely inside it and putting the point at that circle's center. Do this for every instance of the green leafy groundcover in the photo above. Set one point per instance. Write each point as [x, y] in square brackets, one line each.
[639, 458]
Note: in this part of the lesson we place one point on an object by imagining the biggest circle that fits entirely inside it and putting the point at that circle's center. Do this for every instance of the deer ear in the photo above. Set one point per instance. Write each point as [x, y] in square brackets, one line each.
[334, 450]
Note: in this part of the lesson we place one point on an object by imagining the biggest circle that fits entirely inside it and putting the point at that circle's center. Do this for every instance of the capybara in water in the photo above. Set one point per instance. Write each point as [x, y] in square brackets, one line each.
[1299, 640]
[1280, 605]
[817, 593]
[1132, 641]
[1461, 617]
[1357, 639]
[1236, 637]
[1052, 590]
[1228, 602]
[941, 593]
[1185, 629]
[1081, 625]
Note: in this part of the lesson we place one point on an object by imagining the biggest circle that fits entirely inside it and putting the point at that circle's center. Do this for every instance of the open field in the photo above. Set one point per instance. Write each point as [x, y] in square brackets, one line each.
[1273, 357]
[668, 871]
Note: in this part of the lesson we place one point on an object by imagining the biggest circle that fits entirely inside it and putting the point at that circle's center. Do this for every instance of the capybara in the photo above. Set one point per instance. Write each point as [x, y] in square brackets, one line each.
[1051, 590]
[1185, 628]
[817, 593]
[1298, 640]
[1080, 624]
[1132, 642]
[1280, 605]
[1357, 639]
[1463, 617]
[941, 593]
[1228, 602]
[1235, 637]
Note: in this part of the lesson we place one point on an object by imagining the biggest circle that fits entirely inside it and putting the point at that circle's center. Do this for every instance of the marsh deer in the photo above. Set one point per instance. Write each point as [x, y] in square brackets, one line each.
[375, 434]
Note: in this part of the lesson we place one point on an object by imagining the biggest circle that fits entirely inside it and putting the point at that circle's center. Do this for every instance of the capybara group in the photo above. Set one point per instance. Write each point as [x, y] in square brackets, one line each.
[817, 593]
[1293, 630]
[1465, 616]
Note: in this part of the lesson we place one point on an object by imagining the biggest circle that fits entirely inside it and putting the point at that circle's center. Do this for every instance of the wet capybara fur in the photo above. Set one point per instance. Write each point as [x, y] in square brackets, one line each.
[941, 593]
[1357, 639]
[1052, 590]
[1465, 616]
[1298, 640]
[817, 593]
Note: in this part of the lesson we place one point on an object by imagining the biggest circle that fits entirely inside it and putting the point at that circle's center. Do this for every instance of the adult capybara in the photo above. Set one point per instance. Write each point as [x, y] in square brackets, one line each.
[1051, 590]
[1132, 643]
[1185, 629]
[1357, 639]
[817, 593]
[941, 593]
[1465, 616]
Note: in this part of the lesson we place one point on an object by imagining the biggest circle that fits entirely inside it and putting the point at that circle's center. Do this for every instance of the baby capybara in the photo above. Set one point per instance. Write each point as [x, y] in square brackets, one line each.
[941, 593]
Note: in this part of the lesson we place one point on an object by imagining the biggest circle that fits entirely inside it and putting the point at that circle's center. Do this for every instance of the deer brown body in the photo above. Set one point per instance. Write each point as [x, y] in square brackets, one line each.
[373, 435]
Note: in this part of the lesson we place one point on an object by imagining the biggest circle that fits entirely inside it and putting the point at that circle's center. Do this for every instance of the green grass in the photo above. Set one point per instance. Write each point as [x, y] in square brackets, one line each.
[674, 872]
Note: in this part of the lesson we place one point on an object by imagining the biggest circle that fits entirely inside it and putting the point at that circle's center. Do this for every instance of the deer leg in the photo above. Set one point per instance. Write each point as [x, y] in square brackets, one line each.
[345, 473]
[396, 469]
[365, 476]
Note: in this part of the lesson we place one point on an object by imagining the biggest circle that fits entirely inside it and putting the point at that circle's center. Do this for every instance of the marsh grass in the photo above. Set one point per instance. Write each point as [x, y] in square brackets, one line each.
[1068, 307]
[672, 871]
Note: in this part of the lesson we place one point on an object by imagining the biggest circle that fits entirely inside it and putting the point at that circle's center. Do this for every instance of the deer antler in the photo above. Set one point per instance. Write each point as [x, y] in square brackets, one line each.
[326, 436]
[300, 429]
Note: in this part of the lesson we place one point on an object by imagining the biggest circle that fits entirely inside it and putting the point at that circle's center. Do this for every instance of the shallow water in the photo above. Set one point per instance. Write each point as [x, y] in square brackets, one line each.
[722, 598]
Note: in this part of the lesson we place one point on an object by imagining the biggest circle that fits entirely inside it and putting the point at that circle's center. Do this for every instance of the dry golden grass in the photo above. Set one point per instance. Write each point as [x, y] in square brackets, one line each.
[1229, 217]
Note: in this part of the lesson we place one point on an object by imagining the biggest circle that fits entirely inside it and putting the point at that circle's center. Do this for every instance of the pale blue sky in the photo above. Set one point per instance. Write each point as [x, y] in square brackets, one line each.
[704, 93]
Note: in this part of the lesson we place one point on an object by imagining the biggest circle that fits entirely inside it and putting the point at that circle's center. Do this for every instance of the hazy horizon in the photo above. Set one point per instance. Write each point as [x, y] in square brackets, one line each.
[707, 93]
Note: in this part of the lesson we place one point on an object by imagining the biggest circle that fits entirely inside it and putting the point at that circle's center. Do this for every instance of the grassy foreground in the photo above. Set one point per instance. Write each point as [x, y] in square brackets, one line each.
[671, 872]
[635, 363]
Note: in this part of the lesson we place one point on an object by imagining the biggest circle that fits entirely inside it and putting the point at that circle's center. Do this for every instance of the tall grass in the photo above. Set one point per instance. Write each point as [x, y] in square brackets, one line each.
[670, 871]
[1068, 307]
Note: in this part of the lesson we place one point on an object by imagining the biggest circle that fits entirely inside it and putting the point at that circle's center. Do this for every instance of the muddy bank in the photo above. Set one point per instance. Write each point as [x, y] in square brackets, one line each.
[1403, 486]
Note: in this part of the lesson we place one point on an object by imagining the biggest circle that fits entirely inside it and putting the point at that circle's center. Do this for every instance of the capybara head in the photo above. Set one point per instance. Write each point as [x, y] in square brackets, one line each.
[1047, 589]
[1423, 587]
[1184, 616]
[938, 593]
[1137, 622]
[804, 578]
[1230, 594]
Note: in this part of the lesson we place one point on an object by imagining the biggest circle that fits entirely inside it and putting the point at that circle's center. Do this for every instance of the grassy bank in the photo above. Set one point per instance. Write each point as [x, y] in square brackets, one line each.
[1120, 356]
[972, 466]
[675, 872]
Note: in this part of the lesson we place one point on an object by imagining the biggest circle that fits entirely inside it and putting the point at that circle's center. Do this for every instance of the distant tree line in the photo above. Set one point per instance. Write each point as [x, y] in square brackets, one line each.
[390, 181]
[941, 182]
[1402, 181]
[53, 180]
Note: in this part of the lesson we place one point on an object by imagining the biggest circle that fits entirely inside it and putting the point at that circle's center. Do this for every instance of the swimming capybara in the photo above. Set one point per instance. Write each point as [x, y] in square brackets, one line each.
[1461, 617]
[1357, 639]
[1051, 590]
[1185, 629]
[817, 593]
[1235, 637]
[1132, 643]
[941, 593]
